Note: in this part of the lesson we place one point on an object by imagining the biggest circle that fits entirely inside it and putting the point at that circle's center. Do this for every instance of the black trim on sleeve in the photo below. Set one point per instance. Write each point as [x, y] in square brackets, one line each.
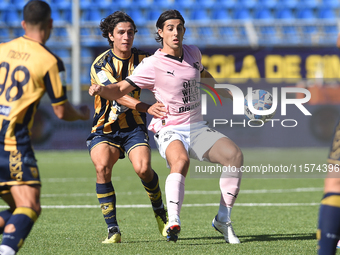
[202, 70]
[131, 83]
[50, 92]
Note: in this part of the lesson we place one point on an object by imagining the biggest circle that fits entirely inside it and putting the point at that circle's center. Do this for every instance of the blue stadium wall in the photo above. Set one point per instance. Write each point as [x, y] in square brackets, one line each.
[281, 66]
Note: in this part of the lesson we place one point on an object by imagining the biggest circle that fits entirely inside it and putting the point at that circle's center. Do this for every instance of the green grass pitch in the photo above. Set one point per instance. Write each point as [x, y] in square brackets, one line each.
[271, 215]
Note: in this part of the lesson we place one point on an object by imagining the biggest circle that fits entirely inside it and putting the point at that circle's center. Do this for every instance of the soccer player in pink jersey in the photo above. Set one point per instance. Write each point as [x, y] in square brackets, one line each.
[182, 133]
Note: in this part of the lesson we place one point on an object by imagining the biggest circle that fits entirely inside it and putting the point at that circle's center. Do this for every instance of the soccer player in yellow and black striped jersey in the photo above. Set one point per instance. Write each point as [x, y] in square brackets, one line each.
[328, 233]
[119, 126]
[27, 70]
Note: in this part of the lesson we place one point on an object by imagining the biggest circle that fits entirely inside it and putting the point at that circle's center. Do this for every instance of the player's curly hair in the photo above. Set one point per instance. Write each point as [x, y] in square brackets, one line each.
[169, 14]
[108, 24]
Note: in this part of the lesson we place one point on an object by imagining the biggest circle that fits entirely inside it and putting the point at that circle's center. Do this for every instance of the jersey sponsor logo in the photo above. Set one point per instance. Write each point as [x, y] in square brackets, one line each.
[5, 110]
[190, 92]
[188, 107]
[102, 76]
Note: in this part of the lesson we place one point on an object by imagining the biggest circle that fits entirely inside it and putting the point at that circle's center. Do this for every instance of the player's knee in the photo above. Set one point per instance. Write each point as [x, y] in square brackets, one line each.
[233, 156]
[2, 222]
[332, 185]
[181, 165]
[143, 170]
[10, 228]
[103, 171]
[36, 207]
[238, 155]
[38, 210]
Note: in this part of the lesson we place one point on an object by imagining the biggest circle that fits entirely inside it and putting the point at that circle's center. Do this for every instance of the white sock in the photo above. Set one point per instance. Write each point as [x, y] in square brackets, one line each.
[224, 213]
[6, 250]
[174, 192]
[173, 219]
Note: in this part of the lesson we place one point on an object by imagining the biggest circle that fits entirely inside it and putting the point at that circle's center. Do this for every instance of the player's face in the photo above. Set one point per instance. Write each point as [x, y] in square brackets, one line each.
[172, 33]
[122, 37]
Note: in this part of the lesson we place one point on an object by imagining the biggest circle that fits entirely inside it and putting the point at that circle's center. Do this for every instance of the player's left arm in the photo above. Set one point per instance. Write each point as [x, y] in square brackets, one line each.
[211, 81]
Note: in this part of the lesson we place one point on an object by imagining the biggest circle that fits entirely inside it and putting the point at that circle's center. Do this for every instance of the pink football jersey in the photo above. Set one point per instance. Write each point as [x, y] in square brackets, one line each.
[175, 83]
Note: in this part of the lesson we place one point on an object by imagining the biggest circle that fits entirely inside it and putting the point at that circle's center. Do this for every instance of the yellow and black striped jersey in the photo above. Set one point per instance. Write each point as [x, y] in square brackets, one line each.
[109, 115]
[27, 70]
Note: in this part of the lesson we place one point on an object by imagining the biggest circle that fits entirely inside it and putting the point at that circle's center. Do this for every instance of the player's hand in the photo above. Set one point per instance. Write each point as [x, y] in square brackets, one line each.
[95, 89]
[84, 112]
[158, 110]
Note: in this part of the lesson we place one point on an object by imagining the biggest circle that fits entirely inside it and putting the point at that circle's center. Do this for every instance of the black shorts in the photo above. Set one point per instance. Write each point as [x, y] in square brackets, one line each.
[18, 167]
[125, 141]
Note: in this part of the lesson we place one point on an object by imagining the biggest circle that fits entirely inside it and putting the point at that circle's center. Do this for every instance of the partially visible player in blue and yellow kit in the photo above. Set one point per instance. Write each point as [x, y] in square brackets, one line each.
[119, 126]
[27, 70]
[328, 233]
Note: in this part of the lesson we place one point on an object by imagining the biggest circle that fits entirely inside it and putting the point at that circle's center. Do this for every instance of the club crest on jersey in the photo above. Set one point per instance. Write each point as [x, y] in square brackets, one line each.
[100, 62]
[34, 172]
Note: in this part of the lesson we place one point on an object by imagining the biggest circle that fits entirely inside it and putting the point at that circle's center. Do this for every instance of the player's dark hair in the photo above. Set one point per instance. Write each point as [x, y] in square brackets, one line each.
[36, 12]
[169, 14]
[108, 24]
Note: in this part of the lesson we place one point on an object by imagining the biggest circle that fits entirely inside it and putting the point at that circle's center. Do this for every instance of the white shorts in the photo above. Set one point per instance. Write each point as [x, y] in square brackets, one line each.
[197, 138]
